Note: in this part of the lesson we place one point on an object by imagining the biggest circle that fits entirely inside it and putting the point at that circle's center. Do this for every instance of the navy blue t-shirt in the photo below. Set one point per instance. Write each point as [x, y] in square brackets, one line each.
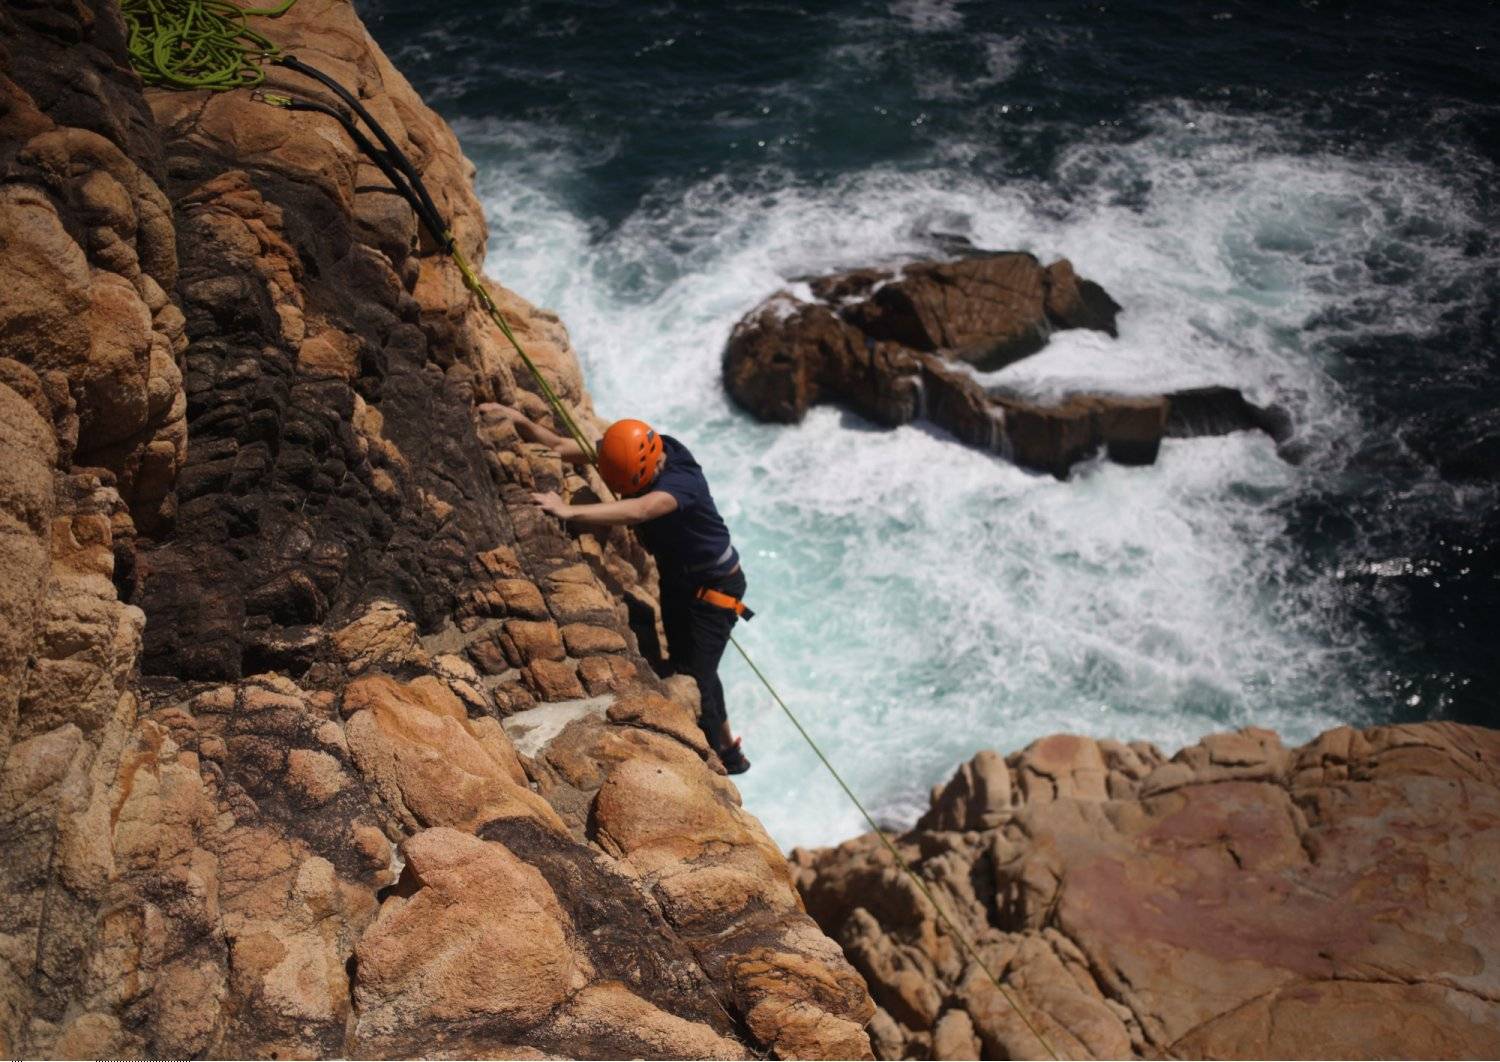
[691, 542]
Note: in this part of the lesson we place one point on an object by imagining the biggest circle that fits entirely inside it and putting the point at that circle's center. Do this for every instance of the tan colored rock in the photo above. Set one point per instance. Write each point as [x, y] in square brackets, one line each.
[329, 353]
[384, 635]
[663, 820]
[188, 873]
[526, 641]
[44, 283]
[953, 1037]
[27, 453]
[574, 604]
[1062, 766]
[417, 745]
[1242, 900]
[611, 1016]
[1349, 1019]
[603, 674]
[804, 1001]
[480, 938]
[585, 639]
[977, 798]
[520, 597]
[554, 680]
[661, 714]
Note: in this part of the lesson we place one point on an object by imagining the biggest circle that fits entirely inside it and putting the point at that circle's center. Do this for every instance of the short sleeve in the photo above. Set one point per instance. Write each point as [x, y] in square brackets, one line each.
[683, 489]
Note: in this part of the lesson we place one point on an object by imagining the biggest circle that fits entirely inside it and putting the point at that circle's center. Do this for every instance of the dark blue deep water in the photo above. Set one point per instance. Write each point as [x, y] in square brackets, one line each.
[1298, 199]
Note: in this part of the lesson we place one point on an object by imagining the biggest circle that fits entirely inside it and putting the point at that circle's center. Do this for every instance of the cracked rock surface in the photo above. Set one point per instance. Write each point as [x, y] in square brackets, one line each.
[1240, 900]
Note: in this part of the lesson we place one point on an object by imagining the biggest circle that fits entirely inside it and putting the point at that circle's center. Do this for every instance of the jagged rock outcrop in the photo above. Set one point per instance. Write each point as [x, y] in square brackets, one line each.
[318, 738]
[894, 347]
[1240, 900]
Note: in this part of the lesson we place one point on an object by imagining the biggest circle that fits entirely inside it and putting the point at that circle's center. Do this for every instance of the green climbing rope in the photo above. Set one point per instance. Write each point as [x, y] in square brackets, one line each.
[901, 862]
[487, 303]
[198, 44]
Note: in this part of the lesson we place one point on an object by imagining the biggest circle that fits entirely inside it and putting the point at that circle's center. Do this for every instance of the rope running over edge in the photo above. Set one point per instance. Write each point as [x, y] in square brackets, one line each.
[207, 44]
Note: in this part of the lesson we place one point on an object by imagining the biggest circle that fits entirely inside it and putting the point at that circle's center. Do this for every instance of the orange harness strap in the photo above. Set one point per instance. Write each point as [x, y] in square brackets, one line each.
[722, 600]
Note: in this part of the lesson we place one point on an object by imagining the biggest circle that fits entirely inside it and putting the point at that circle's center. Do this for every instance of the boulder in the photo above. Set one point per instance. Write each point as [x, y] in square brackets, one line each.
[1221, 410]
[479, 937]
[856, 343]
[896, 346]
[987, 311]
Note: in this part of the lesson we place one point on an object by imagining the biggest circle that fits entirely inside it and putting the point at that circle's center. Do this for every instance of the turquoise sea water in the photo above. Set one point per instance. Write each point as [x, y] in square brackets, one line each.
[1296, 201]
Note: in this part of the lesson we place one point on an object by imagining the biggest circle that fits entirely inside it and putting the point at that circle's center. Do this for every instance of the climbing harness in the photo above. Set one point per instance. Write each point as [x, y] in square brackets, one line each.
[719, 599]
[206, 44]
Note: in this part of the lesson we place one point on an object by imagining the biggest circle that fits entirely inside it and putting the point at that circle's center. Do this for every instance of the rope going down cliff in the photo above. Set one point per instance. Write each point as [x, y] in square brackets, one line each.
[208, 44]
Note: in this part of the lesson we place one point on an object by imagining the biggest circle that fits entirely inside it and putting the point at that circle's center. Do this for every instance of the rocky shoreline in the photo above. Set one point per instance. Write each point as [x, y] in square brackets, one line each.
[319, 740]
[1239, 900]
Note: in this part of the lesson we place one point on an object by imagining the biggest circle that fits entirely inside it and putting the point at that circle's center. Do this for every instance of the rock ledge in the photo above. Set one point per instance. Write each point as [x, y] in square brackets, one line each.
[1240, 900]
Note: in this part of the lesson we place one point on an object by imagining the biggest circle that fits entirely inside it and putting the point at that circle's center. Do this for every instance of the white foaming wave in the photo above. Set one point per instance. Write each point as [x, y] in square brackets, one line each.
[1002, 57]
[928, 16]
[920, 600]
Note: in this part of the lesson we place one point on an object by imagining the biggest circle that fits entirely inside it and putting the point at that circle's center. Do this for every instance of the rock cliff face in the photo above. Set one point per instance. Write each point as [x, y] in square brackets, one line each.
[1241, 900]
[896, 346]
[318, 739]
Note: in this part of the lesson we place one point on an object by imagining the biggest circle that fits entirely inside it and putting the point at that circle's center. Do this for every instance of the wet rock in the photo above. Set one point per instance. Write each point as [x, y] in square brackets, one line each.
[1073, 302]
[987, 311]
[1054, 438]
[899, 346]
[1221, 410]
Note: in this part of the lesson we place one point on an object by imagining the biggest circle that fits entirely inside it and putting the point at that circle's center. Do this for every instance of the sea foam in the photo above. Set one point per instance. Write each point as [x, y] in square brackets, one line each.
[920, 601]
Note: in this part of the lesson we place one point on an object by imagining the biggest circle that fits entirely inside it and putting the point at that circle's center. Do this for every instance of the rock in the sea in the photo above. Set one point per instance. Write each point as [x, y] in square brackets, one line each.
[898, 346]
[1240, 900]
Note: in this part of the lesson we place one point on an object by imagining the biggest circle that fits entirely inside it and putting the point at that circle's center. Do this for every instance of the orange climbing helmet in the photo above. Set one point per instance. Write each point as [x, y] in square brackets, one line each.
[629, 457]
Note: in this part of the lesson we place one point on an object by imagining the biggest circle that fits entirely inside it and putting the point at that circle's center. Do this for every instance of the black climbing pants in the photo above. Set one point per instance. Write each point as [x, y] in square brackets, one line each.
[697, 633]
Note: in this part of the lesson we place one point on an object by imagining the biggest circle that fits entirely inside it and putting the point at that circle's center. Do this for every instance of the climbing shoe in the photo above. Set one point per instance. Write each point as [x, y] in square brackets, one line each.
[733, 758]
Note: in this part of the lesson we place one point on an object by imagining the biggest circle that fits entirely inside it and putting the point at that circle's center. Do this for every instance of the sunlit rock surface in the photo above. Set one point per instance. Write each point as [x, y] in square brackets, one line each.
[1241, 900]
[318, 738]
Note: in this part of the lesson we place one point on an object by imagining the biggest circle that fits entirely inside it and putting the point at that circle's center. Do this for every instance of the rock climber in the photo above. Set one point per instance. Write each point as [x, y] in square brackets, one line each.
[665, 497]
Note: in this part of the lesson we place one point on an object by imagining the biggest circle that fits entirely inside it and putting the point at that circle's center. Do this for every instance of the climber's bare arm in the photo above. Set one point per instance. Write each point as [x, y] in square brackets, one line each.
[620, 513]
[531, 431]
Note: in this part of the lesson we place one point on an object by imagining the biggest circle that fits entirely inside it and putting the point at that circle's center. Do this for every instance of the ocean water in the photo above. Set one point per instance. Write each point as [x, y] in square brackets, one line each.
[1298, 200]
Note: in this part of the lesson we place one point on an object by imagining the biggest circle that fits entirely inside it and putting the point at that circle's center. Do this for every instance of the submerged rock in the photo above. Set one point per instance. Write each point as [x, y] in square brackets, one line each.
[897, 346]
[1239, 900]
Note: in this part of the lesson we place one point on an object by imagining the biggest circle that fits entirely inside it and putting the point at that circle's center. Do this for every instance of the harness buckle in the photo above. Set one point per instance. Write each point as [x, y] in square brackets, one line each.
[722, 600]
